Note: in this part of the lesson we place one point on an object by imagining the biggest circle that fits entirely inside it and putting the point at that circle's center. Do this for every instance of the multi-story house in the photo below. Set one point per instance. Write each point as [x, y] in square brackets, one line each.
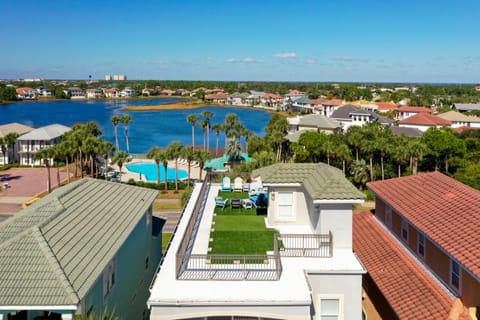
[313, 122]
[405, 112]
[349, 115]
[424, 121]
[461, 120]
[94, 93]
[26, 93]
[28, 144]
[312, 274]
[75, 93]
[88, 247]
[421, 248]
[111, 92]
[6, 129]
[127, 92]
[44, 92]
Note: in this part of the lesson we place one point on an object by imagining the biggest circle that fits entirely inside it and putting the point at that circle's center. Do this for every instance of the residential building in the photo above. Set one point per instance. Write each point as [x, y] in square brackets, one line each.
[314, 275]
[460, 120]
[26, 93]
[147, 92]
[272, 100]
[313, 122]
[424, 121]
[111, 92]
[108, 77]
[87, 247]
[253, 98]
[221, 98]
[407, 111]
[238, 99]
[293, 95]
[386, 107]
[75, 93]
[421, 247]
[29, 143]
[6, 129]
[328, 107]
[349, 115]
[127, 92]
[464, 107]
[167, 92]
[44, 92]
[407, 131]
[302, 105]
[94, 93]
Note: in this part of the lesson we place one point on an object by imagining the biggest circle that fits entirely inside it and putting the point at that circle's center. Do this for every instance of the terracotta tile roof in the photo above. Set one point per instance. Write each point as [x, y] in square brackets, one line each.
[333, 102]
[443, 208]
[271, 96]
[386, 106]
[216, 96]
[23, 90]
[414, 109]
[426, 120]
[464, 128]
[408, 288]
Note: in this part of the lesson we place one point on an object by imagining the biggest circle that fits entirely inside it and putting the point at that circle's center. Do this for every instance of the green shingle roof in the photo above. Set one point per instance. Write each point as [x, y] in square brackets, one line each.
[320, 180]
[52, 252]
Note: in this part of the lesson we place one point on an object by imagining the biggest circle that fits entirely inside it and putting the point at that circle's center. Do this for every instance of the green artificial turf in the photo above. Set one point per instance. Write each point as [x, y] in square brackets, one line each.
[230, 195]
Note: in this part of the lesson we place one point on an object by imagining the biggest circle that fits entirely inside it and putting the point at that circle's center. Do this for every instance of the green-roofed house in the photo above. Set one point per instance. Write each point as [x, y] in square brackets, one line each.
[315, 198]
[311, 272]
[87, 247]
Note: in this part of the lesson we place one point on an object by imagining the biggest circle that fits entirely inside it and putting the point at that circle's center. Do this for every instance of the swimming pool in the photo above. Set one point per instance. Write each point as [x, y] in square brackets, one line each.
[149, 171]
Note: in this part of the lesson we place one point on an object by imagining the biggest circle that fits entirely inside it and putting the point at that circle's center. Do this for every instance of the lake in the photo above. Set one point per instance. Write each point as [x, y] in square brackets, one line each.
[148, 128]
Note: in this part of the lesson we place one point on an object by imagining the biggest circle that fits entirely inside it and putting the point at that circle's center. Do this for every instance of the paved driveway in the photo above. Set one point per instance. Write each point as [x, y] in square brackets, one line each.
[23, 184]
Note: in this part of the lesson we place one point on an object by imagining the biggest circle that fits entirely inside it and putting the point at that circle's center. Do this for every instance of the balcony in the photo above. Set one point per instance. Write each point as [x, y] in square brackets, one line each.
[252, 267]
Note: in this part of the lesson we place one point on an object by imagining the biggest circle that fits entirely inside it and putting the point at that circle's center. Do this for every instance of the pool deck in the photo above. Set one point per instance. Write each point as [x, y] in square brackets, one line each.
[127, 175]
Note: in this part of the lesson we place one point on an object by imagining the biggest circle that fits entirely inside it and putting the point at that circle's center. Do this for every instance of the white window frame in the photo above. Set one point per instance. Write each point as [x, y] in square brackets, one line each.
[338, 297]
[421, 244]
[452, 274]
[404, 228]
[291, 217]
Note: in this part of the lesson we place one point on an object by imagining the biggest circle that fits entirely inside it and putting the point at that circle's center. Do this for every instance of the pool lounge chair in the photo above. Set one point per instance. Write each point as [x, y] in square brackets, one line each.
[226, 185]
[236, 203]
[237, 184]
[221, 203]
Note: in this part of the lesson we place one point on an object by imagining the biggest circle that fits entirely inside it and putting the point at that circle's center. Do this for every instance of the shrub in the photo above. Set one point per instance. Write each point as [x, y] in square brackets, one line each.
[370, 195]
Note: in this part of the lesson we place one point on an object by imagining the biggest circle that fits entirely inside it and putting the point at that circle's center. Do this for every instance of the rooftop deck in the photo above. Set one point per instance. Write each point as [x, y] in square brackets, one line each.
[280, 277]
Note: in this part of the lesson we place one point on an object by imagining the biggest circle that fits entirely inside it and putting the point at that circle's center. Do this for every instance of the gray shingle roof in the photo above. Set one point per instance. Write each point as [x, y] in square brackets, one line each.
[407, 131]
[45, 133]
[320, 180]
[318, 121]
[467, 106]
[53, 251]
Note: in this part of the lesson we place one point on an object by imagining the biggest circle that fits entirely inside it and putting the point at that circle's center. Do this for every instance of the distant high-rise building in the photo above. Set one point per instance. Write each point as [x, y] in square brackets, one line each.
[108, 77]
[120, 77]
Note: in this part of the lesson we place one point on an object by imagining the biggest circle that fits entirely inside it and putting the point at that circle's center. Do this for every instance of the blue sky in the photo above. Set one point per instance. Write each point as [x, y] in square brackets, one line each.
[245, 40]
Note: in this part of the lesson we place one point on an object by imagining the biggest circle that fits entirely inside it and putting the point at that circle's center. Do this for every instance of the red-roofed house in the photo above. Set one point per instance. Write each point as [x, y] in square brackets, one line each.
[329, 106]
[386, 106]
[26, 93]
[424, 121]
[217, 98]
[271, 100]
[434, 219]
[111, 92]
[407, 111]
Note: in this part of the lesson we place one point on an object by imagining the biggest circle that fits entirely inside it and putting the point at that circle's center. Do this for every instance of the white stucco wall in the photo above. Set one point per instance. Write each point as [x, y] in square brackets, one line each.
[336, 218]
[300, 208]
[346, 287]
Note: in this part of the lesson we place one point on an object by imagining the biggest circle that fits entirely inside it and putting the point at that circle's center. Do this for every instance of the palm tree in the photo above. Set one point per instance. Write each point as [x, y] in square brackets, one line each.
[155, 153]
[188, 153]
[400, 152]
[116, 120]
[174, 151]
[10, 140]
[217, 127]
[360, 172]
[67, 150]
[120, 158]
[45, 155]
[233, 151]
[247, 134]
[193, 118]
[3, 146]
[105, 149]
[207, 115]
[344, 153]
[203, 125]
[202, 156]
[91, 147]
[417, 149]
[126, 120]
[354, 138]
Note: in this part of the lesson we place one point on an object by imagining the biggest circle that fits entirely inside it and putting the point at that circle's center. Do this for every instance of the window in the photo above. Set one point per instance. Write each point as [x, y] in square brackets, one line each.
[405, 230]
[388, 217]
[285, 205]
[329, 309]
[455, 274]
[421, 244]
[108, 278]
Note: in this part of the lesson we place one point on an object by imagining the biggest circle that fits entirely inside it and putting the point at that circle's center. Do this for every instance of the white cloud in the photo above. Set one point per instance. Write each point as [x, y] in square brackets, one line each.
[231, 60]
[286, 55]
[248, 60]
[311, 61]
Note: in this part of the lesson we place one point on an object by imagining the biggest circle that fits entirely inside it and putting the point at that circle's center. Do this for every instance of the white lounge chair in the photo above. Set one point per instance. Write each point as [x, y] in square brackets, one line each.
[238, 184]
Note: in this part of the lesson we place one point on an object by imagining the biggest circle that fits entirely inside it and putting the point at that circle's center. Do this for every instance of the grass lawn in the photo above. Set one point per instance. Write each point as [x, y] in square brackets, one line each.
[166, 236]
[170, 194]
[241, 234]
[159, 206]
[230, 195]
